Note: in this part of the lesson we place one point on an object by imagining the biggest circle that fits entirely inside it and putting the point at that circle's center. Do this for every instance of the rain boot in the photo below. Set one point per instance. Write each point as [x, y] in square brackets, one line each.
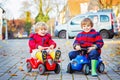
[41, 56]
[93, 65]
[44, 55]
[57, 55]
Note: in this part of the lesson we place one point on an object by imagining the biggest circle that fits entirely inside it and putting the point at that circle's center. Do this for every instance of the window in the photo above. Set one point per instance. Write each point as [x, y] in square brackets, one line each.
[104, 18]
[77, 20]
[94, 18]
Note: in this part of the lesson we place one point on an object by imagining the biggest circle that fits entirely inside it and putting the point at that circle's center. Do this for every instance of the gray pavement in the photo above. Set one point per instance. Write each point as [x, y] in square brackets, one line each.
[13, 55]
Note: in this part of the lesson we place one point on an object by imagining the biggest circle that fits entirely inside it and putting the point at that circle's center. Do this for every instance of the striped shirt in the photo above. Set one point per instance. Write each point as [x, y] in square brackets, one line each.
[88, 39]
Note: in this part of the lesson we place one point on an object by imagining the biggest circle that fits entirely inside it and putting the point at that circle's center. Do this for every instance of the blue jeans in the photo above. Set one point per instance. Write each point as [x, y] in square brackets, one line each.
[93, 55]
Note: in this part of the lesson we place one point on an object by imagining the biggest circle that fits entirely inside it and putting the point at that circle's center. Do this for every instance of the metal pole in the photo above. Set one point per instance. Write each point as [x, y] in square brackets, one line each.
[6, 30]
[51, 29]
[1, 12]
[67, 36]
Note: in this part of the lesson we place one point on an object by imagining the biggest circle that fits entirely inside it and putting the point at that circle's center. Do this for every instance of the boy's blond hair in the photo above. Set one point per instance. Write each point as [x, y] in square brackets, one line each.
[40, 25]
[87, 21]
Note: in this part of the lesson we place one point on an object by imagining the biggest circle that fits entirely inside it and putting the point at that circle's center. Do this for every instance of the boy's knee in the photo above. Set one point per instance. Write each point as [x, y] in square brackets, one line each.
[94, 54]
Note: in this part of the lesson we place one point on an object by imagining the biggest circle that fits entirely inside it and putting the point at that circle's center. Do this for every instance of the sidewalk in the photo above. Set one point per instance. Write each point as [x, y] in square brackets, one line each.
[13, 54]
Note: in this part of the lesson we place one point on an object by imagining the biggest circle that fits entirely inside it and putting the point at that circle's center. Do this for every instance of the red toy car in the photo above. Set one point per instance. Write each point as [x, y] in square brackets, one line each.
[48, 65]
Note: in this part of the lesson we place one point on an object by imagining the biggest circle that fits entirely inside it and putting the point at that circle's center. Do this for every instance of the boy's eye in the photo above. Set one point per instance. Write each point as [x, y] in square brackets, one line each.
[83, 26]
[86, 25]
[43, 29]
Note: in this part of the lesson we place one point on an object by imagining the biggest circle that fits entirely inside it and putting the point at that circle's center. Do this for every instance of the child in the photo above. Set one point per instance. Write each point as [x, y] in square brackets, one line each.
[89, 39]
[41, 40]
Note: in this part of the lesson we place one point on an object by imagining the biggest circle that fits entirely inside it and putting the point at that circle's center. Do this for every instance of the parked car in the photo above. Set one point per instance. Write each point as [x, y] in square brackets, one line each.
[22, 35]
[104, 22]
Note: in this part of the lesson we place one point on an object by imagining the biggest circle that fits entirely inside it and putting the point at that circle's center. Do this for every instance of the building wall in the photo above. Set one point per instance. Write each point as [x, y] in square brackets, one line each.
[75, 6]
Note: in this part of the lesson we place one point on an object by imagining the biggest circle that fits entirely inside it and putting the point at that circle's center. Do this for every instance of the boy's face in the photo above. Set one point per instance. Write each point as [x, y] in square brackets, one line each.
[42, 32]
[86, 28]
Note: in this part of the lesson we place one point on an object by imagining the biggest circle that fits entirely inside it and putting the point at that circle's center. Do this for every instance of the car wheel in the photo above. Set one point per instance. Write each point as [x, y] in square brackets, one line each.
[101, 67]
[57, 69]
[62, 34]
[86, 69]
[41, 69]
[29, 67]
[111, 36]
[104, 34]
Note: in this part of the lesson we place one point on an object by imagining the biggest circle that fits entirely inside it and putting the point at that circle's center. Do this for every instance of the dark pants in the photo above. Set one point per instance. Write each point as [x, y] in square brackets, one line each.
[93, 55]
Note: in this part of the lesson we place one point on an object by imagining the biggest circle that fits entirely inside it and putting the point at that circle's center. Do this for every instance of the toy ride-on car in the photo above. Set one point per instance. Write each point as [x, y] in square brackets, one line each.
[83, 64]
[47, 65]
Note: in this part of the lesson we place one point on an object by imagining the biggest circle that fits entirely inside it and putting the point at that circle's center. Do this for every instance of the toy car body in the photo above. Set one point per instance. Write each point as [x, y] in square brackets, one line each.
[82, 63]
[48, 65]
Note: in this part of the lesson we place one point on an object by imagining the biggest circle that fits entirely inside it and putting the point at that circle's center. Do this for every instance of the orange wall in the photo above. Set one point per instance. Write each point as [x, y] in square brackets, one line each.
[114, 2]
[74, 5]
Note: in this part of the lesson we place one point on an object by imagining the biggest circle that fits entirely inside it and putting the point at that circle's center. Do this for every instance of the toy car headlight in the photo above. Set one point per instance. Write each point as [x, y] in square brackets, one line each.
[81, 60]
[100, 59]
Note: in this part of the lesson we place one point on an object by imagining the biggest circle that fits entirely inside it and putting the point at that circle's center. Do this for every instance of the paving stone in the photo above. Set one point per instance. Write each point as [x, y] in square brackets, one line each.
[13, 54]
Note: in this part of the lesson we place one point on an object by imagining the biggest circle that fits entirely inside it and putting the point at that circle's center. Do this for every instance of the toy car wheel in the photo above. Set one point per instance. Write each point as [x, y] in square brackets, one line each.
[69, 69]
[86, 69]
[41, 69]
[57, 69]
[101, 67]
[29, 67]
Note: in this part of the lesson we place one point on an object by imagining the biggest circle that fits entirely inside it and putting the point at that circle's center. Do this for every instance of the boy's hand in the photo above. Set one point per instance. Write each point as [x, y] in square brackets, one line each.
[90, 49]
[51, 47]
[40, 48]
[77, 47]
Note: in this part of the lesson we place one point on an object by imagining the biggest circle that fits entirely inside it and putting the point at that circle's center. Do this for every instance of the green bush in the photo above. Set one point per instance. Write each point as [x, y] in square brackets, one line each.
[28, 27]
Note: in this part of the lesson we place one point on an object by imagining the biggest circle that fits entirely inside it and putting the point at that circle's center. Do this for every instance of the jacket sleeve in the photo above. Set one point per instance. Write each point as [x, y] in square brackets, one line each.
[76, 42]
[99, 41]
[31, 42]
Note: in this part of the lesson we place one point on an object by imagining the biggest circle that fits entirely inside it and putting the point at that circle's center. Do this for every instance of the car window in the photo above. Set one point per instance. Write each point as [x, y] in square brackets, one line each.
[77, 20]
[104, 18]
[92, 17]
